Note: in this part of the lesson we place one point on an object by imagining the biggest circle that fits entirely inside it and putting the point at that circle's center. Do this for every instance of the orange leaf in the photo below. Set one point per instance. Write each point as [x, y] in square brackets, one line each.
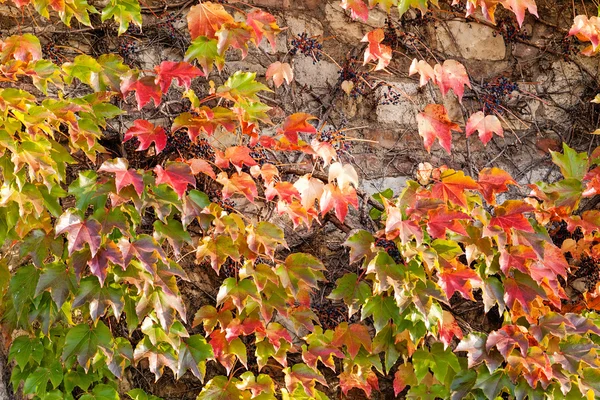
[206, 18]
[265, 24]
[452, 75]
[297, 123]
[182, 71]
[238, 183]
[586, 29]
[493, 181]
[434, 123]
[198, 165]
[510, 216]
[461, 279]
[486, 126]
[357, 8]
[280, 72]
[424, 70]
[334, 198]
[452, 186]
[145, 88]
[376, 51]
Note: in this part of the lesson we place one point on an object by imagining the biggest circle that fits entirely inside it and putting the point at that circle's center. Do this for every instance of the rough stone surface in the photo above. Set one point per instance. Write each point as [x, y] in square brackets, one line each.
[318, 76]
[470, 40]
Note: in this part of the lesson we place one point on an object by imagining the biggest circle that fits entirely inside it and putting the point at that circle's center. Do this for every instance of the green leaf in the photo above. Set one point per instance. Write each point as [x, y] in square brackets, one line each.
[139, 394]
[59, 279]
[352, 291]
[385, 341]
[124, 12]
[205, 51]
[360, 246]
[220, 388]
[382, 309]
[84, 341]
[438, 359]
[494, 384]
[572, 165]
[24, 348]
[87, 192]
[174, 233]
[300, 270]
[101, 392]
[462, 384]
[242, 86]
[193, 353]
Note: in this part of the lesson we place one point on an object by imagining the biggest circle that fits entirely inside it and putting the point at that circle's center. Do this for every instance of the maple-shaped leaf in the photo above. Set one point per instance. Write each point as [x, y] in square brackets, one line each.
[302, 374]
[206, 18]
[79, 232]
[434, 123]
[352, 336]
[475, 346]
[510, 215]
[519, 7]
[220, 388]
[452, 75]
[360, 246]
[238, 183]
[159, 356]
[517, 257]
[99, 263]
[442, 219]
[397, 226]
[123, 12]
[236, 155]
[507, 339]
[263, 24]
[344, 174]
[424, 70]
[382, 309]
[227, 352]
[146, 133]
[201, 166]
[377, 51]
[99, 298]
[586, 29]
[334, 198]
[193, 353]
[461, 279]
[522, 288]
[493, 181]
[300, 268]
[448, 328]
[217, 249]
[236, 35]
[352, 290]
[318, 347]
[145, 89]
[59, 279]
[404, 376]
[573, 165]
[297, 123]
[310, 189]
[177, 175]
[452, 185]
[358, 9]
[145, 249]
[486, 126]
[204, 50]
[325, 150]
[24, 48]
[279, 72]
[242, 86]
[494, 384]
[183, 72]
[84, 341]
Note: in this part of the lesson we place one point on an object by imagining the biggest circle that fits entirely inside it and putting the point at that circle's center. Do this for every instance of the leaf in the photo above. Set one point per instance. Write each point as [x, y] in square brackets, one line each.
[79, 232]
[382, 309]
[448, 328]
[24, 48]
[572, 165]
[486, 126]
[434, 123]
[442, 219]
[206, 18]
[461, 279]
[586, 29]
[521, 288]
[236, 155]
[158, 357]
[297, 123]
[452, 75]
[236, 35]
[123, 176]
[334, 198]
[519, 6]
[344, 174]
[220, 388]
[174, 232]
[146, 133]
[352, 336]
[300, 269]
[424, 70]
[242, 86]
[404, 376]
[310, 189]
[124, 12]
[263, 24]
[319, 347]
[352, 291]
[59, 279]
[438, 359]
[227, 353]
[84, 341]
[264, 238]
[183, 72]
[238, 183]
[452, 185]
[204, 50]
[301, 374]
[145, 90]
[177, 175]
[280, 72]
[493, 181]
[511, 215]
[475, 346]
[492, 385]
[376, 51]
[193, 353]
[360, 246]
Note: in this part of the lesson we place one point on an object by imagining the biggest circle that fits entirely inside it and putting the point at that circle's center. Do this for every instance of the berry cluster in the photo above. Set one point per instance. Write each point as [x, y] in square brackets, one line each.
[51, 53]
[167, 23]
[229, 269]
[458, 8]
[358, 78]
[308, 46]
[180, 143]
[259, 154]
[391, 248]
[589, 271]
[337, 139]
[509, 31]
[389, 96]
[330, 314]
[127, 48]
[133, 29]
[568, 47]
[495, 93]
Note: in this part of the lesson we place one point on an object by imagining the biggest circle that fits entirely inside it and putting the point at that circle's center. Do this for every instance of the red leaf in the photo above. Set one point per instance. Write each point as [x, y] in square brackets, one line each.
[334, 198]
[236, 35]
[237, 155]
[396, 227]
[24, 48]
[198, 165]
[99, 263]
[241, 183]
[123, 176]
[353, 337]
[485, 125]
[303, 375]
[506, 339]
[441, 219]
[404, 377]
[424, 70]
[145, 90]
[448, 329]
[461, 279]
[452, 75]
[177, 175]
[285, 190]
[357, 8]
[265, 24]
[523, 289]
[519, 6]
[517, 257]
[297, 123]
[181, 71]
[206, 18]
[376, 51]
[452, 186]
[146, 133]
[510, 215]
[79, 232]
[434, 123]
[493, 181]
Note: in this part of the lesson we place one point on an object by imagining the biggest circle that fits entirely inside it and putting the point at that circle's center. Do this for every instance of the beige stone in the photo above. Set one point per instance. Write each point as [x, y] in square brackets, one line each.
[303, 23]
[470, 40]
[319, 75]
[347, 30]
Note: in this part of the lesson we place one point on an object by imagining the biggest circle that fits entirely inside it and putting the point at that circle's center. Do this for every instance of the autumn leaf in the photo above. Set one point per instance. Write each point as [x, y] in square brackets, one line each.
[333, 198]
[522, 288]
[206, 18]
[344, 174]
[424, 70]
[123, 176]
[297, 123]
[573, 165]
[236, 35]
[263, 24]
[461, 279]
[183, 72]
[145, 90]
[486, 126]
[236, 155]
[146, 133]
[586, 29]
[201, 166]
[442, 219]
[20, 47]
[376, 51]
[310, 189]
[519, 6]
[510, 215]
[451, 75]
[302, 374]
[493, 181]
[452, 185]
[177, 175]
[325, 150]
[448, 328]
[79, 232]
[238, 183]
[397, 226]
[404, 376]
[352, 336]
[434, 123]
[300, 268]
[264, 238]
[358, 9]
[279, 72]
